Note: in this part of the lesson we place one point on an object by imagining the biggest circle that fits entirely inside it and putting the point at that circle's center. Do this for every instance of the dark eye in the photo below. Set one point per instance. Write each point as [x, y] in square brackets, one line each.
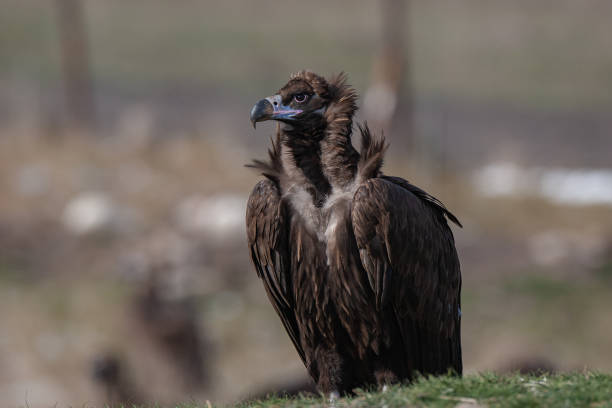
[300, 98]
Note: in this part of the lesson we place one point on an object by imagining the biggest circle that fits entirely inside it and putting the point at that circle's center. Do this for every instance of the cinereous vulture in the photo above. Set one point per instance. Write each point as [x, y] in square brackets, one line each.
[361, 267]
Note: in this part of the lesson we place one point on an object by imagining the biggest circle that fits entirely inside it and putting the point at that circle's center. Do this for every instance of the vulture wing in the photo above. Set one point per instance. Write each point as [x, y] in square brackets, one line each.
[408, 252]
[267, 233]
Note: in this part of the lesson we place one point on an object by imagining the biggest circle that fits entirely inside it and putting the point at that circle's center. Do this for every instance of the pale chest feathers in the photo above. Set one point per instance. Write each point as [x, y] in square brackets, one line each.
[323, 221]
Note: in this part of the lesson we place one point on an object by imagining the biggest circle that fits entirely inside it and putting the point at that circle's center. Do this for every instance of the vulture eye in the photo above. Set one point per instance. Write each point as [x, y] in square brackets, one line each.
[300, 98]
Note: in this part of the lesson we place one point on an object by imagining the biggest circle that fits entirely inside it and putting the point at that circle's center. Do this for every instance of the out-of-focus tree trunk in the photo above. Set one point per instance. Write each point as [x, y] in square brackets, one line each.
[78, 89]
[390, 85]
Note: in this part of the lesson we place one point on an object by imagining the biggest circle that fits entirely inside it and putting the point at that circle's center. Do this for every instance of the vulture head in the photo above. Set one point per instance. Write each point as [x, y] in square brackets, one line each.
[315, 115]
[308, 101]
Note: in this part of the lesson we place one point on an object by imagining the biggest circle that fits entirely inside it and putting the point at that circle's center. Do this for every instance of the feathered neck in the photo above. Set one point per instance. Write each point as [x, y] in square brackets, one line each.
[300, 156]
[338, 156]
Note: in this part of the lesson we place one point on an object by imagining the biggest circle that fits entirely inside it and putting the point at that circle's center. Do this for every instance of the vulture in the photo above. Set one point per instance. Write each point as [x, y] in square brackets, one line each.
[361, 267]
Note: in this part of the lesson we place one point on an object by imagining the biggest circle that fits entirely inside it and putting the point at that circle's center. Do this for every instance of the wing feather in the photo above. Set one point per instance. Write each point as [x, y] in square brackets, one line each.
[267, 232]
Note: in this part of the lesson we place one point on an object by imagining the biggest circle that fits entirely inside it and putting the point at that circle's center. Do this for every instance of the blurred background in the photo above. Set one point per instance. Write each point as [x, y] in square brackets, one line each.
[124, 127]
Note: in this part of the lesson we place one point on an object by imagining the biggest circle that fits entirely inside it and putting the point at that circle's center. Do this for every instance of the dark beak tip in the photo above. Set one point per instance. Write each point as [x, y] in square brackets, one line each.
[262, 110]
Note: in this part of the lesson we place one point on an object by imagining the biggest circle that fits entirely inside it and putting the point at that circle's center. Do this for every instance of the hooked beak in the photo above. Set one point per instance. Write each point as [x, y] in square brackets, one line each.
[272, 108]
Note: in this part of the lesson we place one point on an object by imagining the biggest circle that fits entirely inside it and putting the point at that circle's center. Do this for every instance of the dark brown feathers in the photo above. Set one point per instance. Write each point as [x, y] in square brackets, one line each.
[339, 113]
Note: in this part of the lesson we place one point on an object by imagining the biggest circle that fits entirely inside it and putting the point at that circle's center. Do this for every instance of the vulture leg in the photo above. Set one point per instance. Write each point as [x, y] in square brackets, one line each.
[330, 368]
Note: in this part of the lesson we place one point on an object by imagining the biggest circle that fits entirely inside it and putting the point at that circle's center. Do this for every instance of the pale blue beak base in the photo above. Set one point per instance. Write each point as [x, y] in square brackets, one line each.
[281, 111]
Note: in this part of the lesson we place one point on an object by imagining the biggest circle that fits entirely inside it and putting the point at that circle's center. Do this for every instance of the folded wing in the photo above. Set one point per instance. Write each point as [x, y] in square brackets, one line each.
[408, 252]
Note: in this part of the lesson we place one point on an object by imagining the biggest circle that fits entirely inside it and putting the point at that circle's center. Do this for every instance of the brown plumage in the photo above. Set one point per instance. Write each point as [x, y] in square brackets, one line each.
[360, 267]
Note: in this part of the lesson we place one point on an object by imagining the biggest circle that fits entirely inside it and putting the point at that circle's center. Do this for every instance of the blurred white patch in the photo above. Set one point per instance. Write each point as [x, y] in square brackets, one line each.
[89, 212]
[577, 187]
[558, 185]
[221, 215]
[501, 179]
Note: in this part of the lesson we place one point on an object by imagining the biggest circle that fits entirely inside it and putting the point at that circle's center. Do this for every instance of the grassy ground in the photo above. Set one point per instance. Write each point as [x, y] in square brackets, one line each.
[585, 389]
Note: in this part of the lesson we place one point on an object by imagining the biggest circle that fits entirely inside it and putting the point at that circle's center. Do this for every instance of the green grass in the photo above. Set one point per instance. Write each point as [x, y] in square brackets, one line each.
[584, 389]
[492, 390]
